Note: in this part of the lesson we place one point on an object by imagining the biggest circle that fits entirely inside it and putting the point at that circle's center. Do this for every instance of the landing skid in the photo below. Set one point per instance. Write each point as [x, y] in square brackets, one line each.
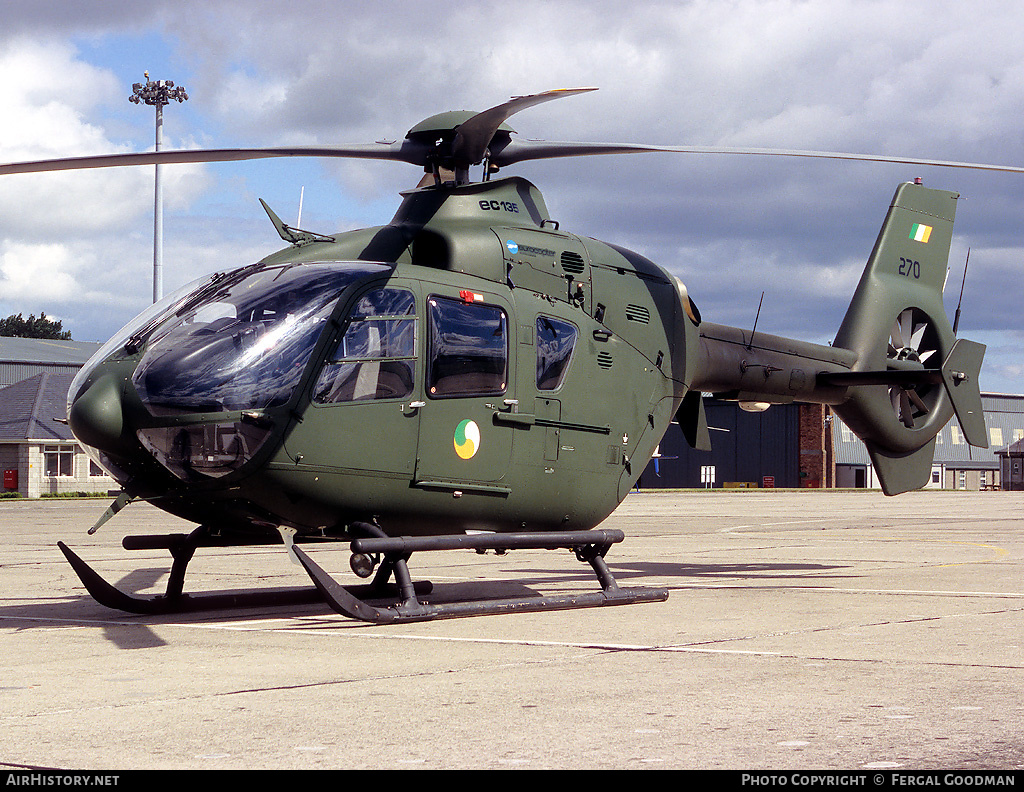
[354, 601]
[589, 546]
[182, 548]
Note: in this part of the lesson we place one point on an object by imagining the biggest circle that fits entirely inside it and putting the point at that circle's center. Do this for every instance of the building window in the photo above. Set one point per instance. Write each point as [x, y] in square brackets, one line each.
[96, 470]
[59, 460]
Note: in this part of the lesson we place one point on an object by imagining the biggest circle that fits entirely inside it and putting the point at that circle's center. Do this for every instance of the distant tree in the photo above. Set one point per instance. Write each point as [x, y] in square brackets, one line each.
[17, 326]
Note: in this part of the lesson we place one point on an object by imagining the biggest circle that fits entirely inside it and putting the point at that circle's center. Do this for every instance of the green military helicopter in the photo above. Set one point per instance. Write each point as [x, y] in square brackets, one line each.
[440, 382]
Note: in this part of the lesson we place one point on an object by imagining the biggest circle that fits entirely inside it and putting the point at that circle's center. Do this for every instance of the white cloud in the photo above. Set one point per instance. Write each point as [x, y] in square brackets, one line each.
[50, 100]
[38, 274]
[47, 95]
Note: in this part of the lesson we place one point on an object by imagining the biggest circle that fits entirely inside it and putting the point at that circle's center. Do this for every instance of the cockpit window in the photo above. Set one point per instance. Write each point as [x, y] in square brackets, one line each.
[242, 340]
[555, 342]
[376, 357]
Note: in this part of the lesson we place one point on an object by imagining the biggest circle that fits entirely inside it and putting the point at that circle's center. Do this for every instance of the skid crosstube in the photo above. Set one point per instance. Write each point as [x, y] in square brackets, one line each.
[589, 546]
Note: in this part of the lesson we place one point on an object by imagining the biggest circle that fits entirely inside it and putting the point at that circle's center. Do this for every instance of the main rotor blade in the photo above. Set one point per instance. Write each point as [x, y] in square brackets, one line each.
[522, 150]
[474, 136]
[406, 151]
[468, 149]
[471, 144]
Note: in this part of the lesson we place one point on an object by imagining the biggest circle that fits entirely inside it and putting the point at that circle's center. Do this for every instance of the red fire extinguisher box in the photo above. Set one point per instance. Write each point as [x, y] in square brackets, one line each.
[11, 479]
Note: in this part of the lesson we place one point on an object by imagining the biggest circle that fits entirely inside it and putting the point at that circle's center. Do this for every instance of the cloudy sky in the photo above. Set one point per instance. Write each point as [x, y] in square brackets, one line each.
[913, 79]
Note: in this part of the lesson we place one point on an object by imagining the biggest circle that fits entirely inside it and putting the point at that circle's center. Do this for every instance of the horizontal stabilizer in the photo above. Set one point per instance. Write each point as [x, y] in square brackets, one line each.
[960, 376]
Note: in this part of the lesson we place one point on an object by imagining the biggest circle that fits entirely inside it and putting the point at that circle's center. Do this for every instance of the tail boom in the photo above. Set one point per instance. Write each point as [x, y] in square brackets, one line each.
[895, 374]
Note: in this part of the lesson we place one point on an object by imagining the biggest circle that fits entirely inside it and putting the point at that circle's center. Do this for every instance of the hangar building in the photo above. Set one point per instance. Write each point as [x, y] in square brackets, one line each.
[804, 445]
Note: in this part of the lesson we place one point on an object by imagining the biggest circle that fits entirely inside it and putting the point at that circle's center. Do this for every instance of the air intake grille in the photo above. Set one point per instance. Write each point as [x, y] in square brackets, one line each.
[572, 262]
[637, 313]
[604, 360]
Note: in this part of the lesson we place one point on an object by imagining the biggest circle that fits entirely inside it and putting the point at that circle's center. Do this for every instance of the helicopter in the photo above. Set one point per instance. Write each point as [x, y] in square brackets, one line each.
[438, 382]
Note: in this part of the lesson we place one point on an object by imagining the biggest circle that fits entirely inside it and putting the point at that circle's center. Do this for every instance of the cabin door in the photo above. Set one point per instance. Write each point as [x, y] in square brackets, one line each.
[468, 380]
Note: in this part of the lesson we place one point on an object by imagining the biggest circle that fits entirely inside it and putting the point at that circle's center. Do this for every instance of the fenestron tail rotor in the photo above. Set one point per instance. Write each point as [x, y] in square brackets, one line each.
[911, 341]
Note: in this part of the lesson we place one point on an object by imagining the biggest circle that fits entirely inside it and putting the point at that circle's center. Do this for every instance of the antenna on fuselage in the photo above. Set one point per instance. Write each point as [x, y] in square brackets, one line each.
[956, 316]
[757, 316]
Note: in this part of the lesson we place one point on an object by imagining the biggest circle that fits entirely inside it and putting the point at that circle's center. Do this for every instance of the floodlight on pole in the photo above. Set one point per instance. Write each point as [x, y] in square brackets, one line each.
[157, 93]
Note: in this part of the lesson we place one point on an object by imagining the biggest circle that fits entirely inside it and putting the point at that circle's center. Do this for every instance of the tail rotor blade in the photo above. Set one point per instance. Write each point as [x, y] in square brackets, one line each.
[897, 337]
[906, 413]
[917, 401]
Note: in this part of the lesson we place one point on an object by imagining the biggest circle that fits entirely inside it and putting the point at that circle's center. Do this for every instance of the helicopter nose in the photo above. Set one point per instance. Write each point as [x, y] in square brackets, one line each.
[96, 416]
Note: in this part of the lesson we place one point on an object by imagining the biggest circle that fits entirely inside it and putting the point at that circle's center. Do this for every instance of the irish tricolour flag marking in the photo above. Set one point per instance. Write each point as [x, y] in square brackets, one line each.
[920, 232]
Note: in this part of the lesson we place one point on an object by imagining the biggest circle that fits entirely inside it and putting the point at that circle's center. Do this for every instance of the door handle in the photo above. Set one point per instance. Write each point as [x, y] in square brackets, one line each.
[519, 419]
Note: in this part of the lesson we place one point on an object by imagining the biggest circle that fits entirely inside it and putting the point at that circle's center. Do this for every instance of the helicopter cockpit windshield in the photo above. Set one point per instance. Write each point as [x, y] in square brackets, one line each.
[242, 340]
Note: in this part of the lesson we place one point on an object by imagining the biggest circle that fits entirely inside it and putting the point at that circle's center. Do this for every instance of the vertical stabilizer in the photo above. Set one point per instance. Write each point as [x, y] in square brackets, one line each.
[911, 379]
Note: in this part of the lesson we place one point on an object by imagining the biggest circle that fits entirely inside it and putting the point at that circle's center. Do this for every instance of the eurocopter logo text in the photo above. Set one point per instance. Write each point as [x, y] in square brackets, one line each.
[528, 250]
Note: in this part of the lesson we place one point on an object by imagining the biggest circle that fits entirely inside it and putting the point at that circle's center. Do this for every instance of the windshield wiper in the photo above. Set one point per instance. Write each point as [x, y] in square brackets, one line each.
[188, 302]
